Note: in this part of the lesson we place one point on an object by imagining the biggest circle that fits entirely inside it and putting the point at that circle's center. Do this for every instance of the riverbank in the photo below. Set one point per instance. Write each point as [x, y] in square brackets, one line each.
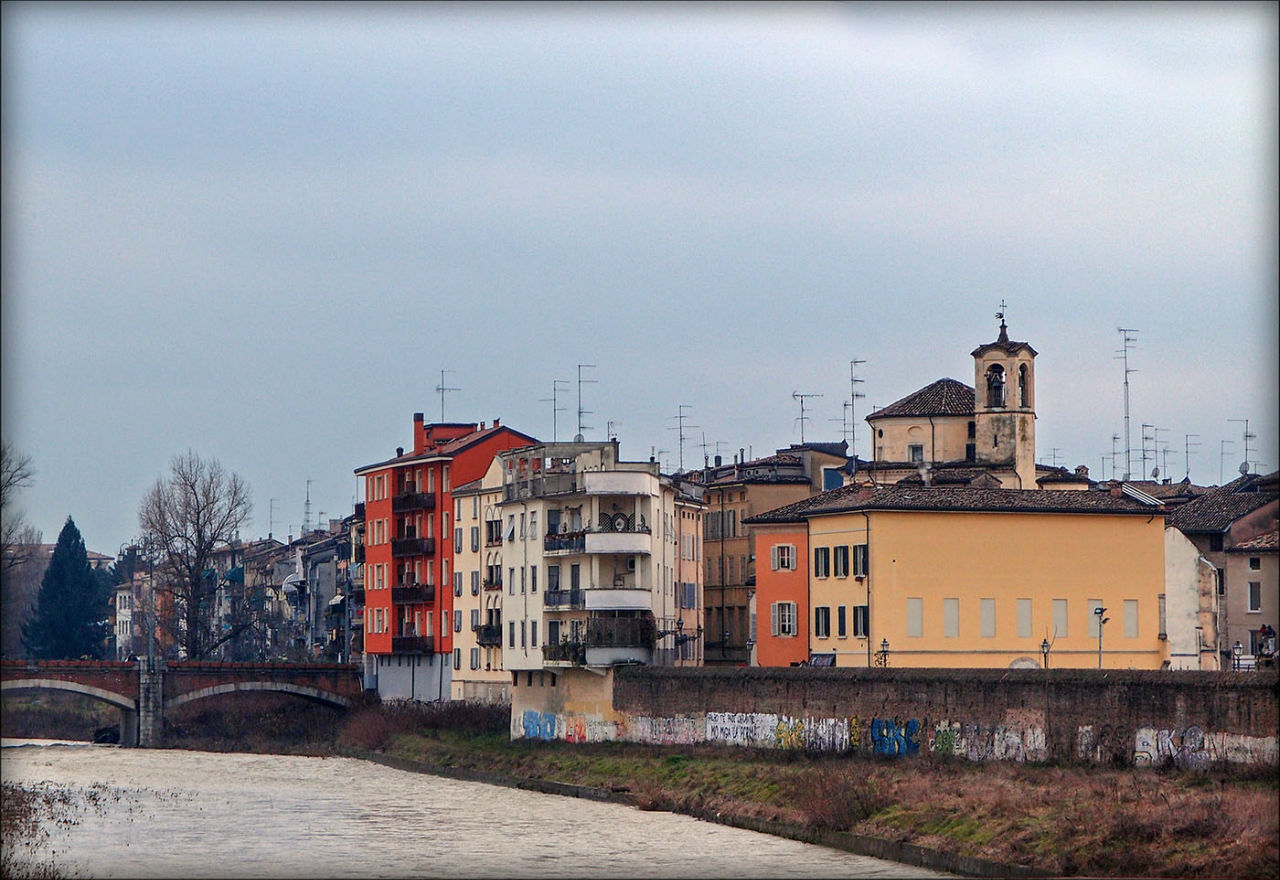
[1000, 818]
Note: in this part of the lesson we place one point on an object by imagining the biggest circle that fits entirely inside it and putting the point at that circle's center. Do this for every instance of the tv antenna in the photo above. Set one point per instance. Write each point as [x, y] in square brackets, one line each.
[1123, 354]
[441, 389]
[1248, 435]
[582, 412]
[844, 418]
[609, 432]
[271, 518]
[803, 418]
[1222, 454]
[680, 426]
[1186, 451]
[555, 407]
[306, 511]
[854, 396]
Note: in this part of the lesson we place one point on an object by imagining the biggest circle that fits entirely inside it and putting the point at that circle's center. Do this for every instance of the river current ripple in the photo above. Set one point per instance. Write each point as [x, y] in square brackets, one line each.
[170, 813]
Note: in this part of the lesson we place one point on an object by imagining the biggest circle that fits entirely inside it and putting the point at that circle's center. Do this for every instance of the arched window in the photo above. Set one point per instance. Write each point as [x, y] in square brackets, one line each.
[995, 385]
[1024, 391]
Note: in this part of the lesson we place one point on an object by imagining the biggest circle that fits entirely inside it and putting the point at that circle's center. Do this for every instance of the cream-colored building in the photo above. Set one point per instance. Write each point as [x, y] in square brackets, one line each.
[591, 560]
[479, 674]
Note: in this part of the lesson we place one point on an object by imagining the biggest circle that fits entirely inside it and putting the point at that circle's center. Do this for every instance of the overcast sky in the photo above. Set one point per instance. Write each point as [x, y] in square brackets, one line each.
[261, 233]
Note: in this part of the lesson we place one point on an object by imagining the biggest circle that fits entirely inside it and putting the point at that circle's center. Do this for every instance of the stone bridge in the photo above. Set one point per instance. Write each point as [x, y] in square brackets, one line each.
[143, 695]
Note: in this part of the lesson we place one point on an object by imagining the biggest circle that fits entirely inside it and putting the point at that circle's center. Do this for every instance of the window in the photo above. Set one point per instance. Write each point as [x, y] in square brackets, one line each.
[457, 620]
[475, 539]
[457, 583]
[915, 453]
[860, 560]
[782, 557]
[783, 622]
[950, 618]
[822, 622]
[511, 634]
[553, 577]
[511, 581]
[1222, 582]
[832, 478]
[915, 617]
[1160, 605]
[1060, 618]
[475, 583]
[1255, 596]
[524, 579]
[533, 525]
[575, 571]
[533, 579]
[523, 642]
[1130, 618]
[1024, 618]
[841, 630]
[822, 562]
[523, 534]
[1094, 617]
[475, 658]
[987, 617]
[995, 385]
[457, 658]
[842, 561]
[475, 617]
[860, 619]
[457, 540]
[1255, 563]
[533, 633]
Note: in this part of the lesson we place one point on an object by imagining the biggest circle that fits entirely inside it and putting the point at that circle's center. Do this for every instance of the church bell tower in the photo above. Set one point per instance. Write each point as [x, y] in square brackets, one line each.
[1004, 407]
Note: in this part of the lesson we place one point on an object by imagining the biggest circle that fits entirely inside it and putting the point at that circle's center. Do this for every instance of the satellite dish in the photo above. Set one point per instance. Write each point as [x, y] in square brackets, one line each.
[1244, 468]
[1155, 473]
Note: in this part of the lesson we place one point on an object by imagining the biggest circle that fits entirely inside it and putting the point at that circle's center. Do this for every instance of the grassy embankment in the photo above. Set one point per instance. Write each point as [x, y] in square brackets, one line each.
[1062, 820]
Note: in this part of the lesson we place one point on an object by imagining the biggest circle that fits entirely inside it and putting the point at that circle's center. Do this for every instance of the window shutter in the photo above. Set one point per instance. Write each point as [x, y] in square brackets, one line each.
[773, 563]
[773, 618]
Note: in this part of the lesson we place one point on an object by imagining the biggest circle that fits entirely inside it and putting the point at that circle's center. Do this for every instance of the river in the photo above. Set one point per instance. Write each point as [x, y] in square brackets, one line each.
[167, 813]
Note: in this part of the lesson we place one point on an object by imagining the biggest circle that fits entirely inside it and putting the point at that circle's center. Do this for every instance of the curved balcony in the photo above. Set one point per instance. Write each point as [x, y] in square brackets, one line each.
[412, 645]
[488, 634]
[563, 599]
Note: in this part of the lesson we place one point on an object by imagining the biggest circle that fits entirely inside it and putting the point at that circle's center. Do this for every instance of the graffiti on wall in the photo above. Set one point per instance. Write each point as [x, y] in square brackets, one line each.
[753, 729]
[986, 742]
[890, 737]
[680, 730]
[539, 725]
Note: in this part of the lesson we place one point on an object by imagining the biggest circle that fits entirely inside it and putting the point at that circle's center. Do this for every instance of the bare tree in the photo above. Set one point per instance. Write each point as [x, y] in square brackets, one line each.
[191, 514]
[16, 471]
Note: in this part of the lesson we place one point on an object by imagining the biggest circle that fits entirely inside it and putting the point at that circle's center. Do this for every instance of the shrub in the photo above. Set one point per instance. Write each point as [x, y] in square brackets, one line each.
[836, 796]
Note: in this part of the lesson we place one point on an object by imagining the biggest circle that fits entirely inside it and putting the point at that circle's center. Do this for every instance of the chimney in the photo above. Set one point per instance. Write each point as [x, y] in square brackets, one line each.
[399, 451]
[482, 426]
[495, 423]
[1082, 470]
[1117, 490]
[719, 460]
[417, 417]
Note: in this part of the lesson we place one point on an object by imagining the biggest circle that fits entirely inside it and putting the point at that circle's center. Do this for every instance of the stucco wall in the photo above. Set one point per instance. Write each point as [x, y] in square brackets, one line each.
[1108, 716]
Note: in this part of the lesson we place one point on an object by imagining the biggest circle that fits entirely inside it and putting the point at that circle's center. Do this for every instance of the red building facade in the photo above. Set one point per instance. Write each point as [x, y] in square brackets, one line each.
[408, 575]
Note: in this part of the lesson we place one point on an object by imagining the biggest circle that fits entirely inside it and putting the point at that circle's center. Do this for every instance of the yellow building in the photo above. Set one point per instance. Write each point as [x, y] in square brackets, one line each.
[477, 590]
[967, 577]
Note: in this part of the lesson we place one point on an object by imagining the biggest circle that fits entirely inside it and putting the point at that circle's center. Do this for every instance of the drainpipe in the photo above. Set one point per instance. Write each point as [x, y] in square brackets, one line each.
[867, 520]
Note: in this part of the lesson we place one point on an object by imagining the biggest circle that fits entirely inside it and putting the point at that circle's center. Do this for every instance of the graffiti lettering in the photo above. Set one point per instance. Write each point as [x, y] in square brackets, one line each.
[890, 738]
[789, 733]
[741, 728]
[539, 725]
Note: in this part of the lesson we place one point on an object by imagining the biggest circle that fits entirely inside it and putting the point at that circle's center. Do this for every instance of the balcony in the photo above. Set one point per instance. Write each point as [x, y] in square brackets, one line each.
[408, 501]
[360, 510]
[569, 542]
[413, 547]
[488, 634]
[553, 599]
[357, 597]
[412, 645]
[358, 554]
[492, 585]
[621, 632]
[407, 594]
[573, 653]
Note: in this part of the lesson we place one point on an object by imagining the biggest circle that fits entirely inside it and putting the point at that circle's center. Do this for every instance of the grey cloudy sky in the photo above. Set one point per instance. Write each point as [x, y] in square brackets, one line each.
[261, 232]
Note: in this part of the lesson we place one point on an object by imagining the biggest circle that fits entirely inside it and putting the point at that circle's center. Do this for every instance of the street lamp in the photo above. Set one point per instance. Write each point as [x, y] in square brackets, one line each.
[1236, 650]
[1101, 620]
[882, 658]
[1044, 649]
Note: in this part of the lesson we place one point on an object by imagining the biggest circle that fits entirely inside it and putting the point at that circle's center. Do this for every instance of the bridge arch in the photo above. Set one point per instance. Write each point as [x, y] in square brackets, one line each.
[298, 690]
[56, 684]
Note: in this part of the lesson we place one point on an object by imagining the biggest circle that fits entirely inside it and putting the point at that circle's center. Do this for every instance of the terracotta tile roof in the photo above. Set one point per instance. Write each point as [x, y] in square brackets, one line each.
[946, 397]
[1267, 542]
[1217, 509]
[947, 498]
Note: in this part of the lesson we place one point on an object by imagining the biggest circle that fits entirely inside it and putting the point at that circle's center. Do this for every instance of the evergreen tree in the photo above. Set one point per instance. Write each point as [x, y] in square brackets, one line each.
[67, 622]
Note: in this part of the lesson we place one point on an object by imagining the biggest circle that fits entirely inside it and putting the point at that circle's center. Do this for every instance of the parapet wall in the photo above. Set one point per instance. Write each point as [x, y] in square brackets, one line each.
[1100, 716]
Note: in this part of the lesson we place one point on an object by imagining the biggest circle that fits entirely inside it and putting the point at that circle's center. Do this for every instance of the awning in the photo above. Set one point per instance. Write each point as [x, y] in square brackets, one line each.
[336, 600]
[235, 575]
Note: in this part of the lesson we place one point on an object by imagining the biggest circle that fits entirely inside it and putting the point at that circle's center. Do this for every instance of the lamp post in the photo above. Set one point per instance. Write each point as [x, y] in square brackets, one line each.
[1101, 620]
[1236, 650]
[882, 656]
[1044, 649]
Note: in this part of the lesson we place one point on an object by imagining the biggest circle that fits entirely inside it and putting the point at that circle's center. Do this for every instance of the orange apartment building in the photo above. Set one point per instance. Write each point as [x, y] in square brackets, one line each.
[409, 613]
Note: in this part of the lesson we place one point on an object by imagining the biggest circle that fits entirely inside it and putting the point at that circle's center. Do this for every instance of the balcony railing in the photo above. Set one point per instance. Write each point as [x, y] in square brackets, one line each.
[493, 584]
[409, 593]
[357, 597]
[412, 501]
[488, 634]
[573, 542]
[621, 632]
[563, 599]
[412, 645]
[565, 652]
[413, 547]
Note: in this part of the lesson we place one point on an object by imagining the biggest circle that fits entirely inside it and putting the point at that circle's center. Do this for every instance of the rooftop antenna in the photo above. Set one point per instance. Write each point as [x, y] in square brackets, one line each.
[854, 395]
[1115, 438]
[1164, 460]
[1128, 343]
[271, 520]
[609, 431]
[555, 407]
[844, 418]
[1222, 454]
[1186, 451]
[655, 453]
[306, 511]
[582, 412]
[803, 418]
[1247, 437]
[441, 389]
[680, 426]
[1145, 456]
